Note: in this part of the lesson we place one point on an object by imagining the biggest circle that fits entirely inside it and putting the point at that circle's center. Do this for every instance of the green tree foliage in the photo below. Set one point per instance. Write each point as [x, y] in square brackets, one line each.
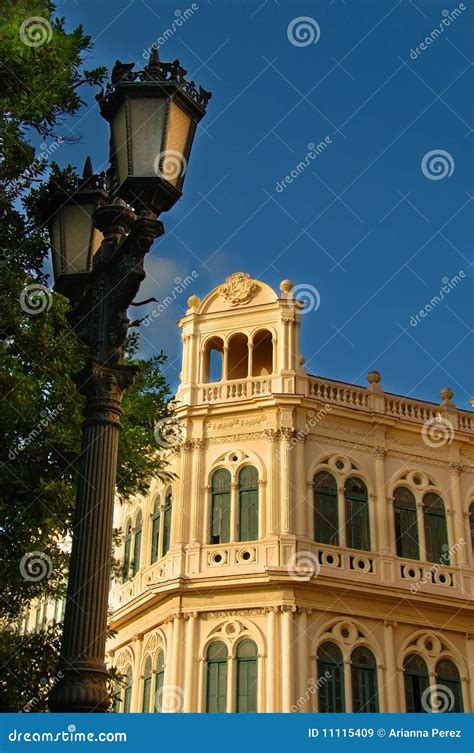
[40, 415]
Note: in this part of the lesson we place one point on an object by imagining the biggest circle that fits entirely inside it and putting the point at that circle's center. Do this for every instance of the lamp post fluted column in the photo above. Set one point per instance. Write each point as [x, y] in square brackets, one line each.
[153, 114]
[99, 319]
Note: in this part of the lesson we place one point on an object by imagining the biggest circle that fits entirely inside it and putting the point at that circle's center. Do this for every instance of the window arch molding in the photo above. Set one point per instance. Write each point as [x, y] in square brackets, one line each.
[428, 485]
[332, 632]
[341, 477]
[231, 633]
[247, 631]
[124, 665]
[413, 644]
[245, 458]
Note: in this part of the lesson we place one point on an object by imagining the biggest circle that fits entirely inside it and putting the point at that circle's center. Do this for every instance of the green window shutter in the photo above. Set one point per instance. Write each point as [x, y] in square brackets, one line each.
[220, 507]
[167, 512]
[137, 544]
[449, 685]
[155, 533]
[146, 686]
[364, 681]
[246, 677]
[216, 690]
[127, 696]
[326, 522]
[357, 515]
[160, 677]
[248, 504]
[416, 681]
[330, 680]
[436, 534]
[127, 546]
[406, 524]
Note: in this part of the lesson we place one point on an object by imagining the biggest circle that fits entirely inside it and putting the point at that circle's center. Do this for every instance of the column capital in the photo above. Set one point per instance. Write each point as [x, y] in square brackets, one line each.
[380, 452]
[272, 434]
[457, 469]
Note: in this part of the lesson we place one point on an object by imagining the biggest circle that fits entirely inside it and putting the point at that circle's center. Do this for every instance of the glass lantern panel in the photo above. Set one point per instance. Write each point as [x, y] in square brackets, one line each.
[174, 163]
[80, 238]
[147, 122]
[119, 133]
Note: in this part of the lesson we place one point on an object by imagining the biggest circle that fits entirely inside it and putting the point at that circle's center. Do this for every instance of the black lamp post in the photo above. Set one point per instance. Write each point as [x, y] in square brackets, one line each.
[99, 240]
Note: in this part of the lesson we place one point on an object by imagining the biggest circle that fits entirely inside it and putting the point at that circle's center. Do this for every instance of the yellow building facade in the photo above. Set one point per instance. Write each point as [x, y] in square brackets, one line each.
[313, 551]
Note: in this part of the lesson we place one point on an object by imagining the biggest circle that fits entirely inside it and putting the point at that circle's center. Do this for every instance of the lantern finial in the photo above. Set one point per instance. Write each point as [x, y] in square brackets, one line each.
[88, 171]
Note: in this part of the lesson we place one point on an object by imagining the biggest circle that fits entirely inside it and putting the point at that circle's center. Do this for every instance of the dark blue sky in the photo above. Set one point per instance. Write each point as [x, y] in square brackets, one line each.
[362, 223]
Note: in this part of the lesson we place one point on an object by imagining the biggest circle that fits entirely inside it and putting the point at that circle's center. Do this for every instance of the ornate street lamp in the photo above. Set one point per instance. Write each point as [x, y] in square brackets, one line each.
[99, 240]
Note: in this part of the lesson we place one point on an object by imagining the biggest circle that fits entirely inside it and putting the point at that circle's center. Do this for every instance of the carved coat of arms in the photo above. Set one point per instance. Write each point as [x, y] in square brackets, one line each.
[238, 288]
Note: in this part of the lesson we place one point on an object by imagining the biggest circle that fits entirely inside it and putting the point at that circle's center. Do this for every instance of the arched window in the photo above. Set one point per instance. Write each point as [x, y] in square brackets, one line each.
[417, 681]
[364, 681]
[238, 357]
[216, 688]
[448, 694]
[220, 507]
[248, 504]
[471, 525]
[406, 525]
[127, 548]
[147, 681]
[160, 676]
[330, 682]
[167, 512]
[357, 514]
[155, 531]
[262, 353]
[213, 360]
[127, 694]
[246, 676]
[137, 543]
[436, 535]
[326, 522]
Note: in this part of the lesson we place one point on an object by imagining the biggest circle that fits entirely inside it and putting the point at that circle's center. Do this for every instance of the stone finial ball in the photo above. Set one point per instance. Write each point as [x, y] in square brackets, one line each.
[446, 393]
[286, 286]
[373, 377]
[193, 301]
